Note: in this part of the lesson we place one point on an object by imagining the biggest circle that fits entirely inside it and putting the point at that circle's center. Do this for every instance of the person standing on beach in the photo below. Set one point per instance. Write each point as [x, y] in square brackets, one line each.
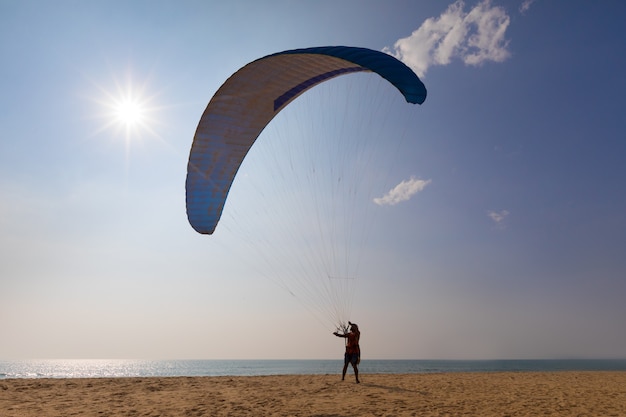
[353, 351]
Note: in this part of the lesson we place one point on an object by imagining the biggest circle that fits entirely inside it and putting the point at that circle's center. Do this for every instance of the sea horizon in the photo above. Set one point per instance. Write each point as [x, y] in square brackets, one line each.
[119, 368]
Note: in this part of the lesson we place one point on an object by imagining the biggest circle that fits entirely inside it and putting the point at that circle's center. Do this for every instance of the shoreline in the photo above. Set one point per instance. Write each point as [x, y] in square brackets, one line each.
[563, 393]
[69, 368]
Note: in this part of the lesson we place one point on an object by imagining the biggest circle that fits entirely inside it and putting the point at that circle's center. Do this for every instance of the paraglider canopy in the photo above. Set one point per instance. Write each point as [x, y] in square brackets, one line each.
[305, 220]
[250, 99]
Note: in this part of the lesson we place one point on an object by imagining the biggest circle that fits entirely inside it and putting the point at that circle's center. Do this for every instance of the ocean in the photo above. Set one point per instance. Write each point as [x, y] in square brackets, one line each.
[105, 368]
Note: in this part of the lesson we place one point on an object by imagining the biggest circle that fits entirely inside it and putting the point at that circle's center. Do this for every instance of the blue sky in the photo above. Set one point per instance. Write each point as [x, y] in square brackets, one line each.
[513, 248]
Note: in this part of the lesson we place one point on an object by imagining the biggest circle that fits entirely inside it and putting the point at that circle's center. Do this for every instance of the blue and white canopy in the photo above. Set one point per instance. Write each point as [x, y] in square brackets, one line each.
[250, 99]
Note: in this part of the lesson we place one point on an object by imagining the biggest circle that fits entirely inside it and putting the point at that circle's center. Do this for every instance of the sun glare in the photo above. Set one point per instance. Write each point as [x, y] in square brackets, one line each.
[128, 111]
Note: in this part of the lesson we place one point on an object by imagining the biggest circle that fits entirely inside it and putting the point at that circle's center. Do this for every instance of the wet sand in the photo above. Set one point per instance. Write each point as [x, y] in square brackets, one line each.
[447, 394]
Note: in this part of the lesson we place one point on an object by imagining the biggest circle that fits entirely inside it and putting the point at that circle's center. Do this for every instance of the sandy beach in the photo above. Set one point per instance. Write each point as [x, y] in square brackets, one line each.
[449, 394]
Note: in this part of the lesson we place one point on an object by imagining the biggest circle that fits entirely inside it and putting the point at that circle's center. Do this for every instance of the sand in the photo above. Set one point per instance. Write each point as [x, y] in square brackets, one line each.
[448, 394]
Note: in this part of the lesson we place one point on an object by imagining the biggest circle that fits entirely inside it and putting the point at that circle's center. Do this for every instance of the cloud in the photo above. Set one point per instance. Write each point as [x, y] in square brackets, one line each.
[402, 192]
[525, 6]
[474, 37]
[498, 217]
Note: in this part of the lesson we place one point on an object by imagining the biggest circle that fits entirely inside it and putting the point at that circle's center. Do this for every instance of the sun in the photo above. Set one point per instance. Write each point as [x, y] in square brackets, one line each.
[128, 111]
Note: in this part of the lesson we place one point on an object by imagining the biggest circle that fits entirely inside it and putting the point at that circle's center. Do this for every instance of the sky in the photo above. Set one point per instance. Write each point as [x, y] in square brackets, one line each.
[501, 233]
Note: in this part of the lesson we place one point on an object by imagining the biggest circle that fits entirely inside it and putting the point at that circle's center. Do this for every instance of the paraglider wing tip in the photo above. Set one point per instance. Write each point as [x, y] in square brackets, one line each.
[202, 230]
[418, 98]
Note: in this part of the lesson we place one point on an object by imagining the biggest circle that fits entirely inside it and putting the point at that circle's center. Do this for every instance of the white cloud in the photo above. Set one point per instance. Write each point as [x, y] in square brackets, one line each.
[525, 6]
[498, 217]
[402, 192]
[473, 37]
